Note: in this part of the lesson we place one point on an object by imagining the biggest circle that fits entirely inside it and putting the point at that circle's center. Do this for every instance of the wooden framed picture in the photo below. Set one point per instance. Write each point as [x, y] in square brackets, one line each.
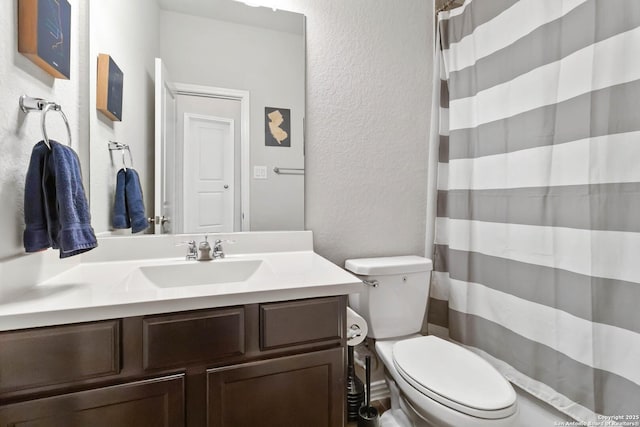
[109, 88]
[277, 127]
[44, 34]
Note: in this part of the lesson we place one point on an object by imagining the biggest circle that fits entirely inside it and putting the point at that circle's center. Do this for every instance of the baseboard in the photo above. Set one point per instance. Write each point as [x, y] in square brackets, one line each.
[379, 390]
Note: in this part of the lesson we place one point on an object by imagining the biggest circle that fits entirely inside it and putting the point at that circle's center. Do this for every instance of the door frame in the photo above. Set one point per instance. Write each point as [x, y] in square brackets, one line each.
[163, 85]
[245, 152]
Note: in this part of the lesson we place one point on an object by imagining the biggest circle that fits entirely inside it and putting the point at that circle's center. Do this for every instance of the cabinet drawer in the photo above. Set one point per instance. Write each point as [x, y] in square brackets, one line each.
[186, 338]
[155, 402]
[59, 354]
[301, 322]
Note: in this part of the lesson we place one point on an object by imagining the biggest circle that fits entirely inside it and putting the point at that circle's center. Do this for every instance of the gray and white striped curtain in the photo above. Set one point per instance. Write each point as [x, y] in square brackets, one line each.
[537, 232]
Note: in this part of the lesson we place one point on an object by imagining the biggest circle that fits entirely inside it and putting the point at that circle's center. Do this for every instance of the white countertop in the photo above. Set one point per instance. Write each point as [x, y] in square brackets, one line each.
[91, 291]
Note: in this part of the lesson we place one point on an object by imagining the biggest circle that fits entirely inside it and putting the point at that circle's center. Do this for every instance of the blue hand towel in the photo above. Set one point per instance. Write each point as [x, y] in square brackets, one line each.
[68, 216]
[36, 234]
[120, 214]
[56, 211]
[135, 203]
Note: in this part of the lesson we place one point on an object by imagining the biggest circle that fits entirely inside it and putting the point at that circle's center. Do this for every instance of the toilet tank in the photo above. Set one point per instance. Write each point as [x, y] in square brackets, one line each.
[395, 301]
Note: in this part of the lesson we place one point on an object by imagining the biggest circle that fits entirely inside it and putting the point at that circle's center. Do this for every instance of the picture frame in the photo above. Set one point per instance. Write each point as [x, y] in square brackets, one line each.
[277, 127]
[44, 35]
[109, 88]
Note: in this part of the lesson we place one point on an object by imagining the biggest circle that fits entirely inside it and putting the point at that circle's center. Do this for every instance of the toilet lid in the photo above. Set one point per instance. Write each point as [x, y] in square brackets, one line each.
[454, 376]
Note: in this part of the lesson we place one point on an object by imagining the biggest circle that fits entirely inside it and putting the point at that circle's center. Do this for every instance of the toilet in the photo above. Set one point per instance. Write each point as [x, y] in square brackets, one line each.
[433, 382]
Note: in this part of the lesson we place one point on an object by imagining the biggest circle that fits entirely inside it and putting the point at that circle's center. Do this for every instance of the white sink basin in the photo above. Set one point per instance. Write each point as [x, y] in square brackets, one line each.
[200, 273]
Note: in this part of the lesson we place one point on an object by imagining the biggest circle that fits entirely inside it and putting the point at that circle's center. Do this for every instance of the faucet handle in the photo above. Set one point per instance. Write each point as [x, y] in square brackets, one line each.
[220, 241]
[218, 251]
[190, 243]
[192, 250]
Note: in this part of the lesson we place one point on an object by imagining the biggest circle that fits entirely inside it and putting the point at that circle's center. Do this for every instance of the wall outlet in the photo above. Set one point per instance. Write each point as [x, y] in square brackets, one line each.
[259, 172]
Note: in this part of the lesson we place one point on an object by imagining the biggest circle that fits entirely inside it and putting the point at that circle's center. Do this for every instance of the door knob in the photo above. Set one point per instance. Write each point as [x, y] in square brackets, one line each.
[158, 220]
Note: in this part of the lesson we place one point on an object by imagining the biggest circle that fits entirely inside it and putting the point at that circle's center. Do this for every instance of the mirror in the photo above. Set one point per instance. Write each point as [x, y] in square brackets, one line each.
[214, 128]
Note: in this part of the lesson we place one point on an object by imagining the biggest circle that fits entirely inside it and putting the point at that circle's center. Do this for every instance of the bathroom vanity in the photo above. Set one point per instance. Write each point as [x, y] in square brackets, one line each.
[267, 353]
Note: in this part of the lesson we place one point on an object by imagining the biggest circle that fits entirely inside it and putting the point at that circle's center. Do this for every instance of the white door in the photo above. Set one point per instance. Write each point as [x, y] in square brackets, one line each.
[208, 174]
[165, 147]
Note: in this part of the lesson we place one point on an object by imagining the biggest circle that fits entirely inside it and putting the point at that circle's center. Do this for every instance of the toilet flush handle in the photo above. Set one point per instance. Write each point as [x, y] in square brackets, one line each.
[372, 283]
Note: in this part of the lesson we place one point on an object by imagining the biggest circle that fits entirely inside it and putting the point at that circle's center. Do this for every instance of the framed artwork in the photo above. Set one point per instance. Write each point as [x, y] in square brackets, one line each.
[44, 34]
[277, 127]
[109, 88]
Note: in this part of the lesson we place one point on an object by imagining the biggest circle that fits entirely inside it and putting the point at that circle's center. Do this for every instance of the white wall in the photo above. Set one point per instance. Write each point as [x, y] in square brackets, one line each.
[20, 132]
[209, 52]
[128, 31]
[368, 107]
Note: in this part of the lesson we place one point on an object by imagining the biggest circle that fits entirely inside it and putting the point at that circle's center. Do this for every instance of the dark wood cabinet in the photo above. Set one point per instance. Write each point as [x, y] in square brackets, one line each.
[184, 339]
[156, 402]
[300, 390]
[296, 322]
[64, 354]
[217, 367]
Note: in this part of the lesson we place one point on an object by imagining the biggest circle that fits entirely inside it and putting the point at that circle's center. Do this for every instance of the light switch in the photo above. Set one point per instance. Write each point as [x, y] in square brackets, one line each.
[259, 172]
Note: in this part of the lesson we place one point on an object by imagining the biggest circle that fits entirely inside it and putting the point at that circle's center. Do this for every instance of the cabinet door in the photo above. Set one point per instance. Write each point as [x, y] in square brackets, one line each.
[157, 402]
[302, 390]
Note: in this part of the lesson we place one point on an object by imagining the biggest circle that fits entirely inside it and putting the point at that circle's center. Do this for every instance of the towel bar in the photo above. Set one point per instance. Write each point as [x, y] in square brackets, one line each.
[288, 171]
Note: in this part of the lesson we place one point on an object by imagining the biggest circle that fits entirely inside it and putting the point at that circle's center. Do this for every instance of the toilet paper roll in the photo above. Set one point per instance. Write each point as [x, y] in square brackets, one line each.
[356, 328]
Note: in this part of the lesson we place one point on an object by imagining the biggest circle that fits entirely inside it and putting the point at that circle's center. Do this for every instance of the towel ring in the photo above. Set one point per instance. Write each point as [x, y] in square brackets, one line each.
[29, 104]
[48, 107]
[115, 145]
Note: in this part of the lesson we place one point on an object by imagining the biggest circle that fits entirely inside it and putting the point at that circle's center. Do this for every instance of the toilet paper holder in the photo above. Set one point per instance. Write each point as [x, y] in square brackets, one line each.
[354, 331]
[357, 328]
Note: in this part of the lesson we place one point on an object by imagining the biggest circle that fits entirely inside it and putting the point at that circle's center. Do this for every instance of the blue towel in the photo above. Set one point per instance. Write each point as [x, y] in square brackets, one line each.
[128, 205]
[120, 215]
[135, 203]
[60, 203]
[36, 233]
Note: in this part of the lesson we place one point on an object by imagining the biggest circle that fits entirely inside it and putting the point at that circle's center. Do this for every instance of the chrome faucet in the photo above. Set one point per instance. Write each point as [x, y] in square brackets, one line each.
[192, 252]
[204, 250]
[218, 252]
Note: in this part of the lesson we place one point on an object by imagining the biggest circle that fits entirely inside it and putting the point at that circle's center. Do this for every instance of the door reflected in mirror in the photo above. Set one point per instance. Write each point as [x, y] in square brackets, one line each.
[195, 117]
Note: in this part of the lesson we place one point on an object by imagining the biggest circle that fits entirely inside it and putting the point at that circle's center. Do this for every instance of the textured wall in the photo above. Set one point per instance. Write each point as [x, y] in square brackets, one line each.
[368, 106]
[20, 132]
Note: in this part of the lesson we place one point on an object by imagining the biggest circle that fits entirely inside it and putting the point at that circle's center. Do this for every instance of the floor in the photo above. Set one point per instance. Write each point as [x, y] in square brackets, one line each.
[532, 412]
[536, 413]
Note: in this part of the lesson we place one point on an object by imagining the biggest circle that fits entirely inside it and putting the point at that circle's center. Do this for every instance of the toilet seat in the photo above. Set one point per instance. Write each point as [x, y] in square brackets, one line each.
[454, 376]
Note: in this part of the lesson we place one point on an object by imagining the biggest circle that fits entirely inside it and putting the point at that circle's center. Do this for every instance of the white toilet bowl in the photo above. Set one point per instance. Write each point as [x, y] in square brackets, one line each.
[445, 385]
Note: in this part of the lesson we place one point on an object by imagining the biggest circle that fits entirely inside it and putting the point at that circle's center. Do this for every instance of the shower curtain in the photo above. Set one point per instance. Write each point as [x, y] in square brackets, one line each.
[537, 207]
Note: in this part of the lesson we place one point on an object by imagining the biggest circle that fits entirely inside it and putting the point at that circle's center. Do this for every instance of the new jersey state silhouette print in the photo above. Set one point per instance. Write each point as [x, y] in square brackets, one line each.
[277, 127]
